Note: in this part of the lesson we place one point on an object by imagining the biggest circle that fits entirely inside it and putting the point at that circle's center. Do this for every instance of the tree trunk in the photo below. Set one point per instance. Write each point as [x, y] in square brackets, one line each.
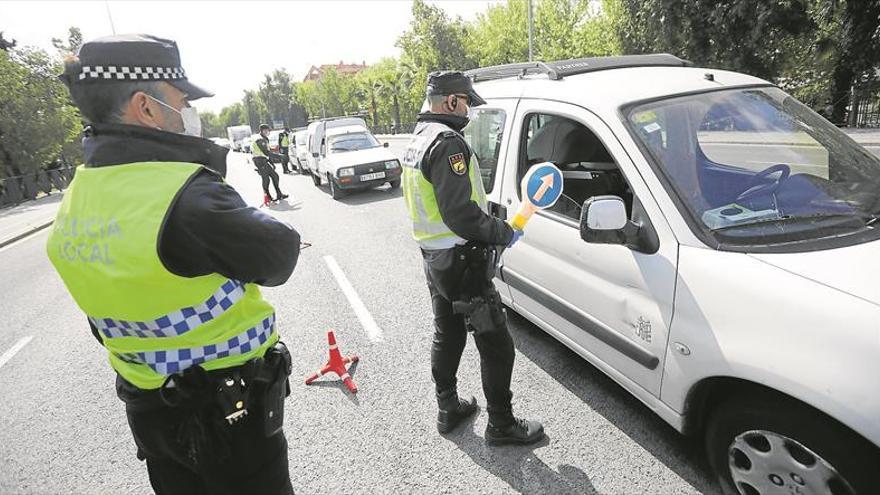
[841, 85]
[396, 106]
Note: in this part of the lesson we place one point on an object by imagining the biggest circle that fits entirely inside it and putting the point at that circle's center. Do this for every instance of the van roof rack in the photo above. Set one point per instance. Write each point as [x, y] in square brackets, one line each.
[359, 115]
[561, 68]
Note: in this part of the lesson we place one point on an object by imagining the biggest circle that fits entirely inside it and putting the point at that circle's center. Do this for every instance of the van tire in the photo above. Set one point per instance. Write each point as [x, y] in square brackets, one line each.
[853, 457]
[334, 189]
[316, 179]
[394, 184]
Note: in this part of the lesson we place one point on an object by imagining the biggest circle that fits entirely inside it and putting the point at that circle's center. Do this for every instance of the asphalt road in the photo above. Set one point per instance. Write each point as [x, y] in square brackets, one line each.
[64, 431]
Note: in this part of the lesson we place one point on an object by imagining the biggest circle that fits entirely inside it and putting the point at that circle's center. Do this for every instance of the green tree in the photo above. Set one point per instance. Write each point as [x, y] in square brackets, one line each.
[212, 126]
[740, 35]
[434, 41]
[278, 95]
[254, 109]
[37, 120]
[501, 34]
[308, 96]
[74, 42]
[852, 41]
[232, 115]
[367, 89]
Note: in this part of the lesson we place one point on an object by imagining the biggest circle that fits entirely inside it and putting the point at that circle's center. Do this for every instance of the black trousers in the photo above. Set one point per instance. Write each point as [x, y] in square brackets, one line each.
[285, 160]
[256, 464]
[450, 336]
[267, 172]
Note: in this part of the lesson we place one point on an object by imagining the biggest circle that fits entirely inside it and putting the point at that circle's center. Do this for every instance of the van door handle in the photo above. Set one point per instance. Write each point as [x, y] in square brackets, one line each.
[496, 210]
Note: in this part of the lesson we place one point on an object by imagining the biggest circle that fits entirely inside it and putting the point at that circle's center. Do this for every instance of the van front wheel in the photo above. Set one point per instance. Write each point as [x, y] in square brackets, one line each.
[765, 443]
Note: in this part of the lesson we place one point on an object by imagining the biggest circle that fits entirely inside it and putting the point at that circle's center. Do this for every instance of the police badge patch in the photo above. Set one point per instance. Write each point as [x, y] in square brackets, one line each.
[456, 162]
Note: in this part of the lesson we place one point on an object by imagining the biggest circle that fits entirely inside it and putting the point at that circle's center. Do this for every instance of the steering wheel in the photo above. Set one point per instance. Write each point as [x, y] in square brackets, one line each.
[756, 189]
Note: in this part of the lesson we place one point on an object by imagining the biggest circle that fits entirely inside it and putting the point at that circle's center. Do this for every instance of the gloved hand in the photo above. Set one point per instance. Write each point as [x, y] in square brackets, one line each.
[516, 235]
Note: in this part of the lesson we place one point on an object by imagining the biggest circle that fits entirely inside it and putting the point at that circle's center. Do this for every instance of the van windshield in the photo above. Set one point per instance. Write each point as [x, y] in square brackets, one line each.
[755, 166]
[352, 142]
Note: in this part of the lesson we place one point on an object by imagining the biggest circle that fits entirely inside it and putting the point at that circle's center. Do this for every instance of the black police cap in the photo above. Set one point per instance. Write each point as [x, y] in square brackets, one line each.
[453, 82]
[132, 57]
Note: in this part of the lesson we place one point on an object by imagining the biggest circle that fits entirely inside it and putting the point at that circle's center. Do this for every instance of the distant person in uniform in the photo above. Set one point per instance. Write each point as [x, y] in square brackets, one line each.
[261, 152]
[283, 147]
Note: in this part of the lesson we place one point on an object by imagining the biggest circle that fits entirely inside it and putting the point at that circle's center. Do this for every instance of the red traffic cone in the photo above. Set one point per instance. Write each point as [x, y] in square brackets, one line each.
[336, 364]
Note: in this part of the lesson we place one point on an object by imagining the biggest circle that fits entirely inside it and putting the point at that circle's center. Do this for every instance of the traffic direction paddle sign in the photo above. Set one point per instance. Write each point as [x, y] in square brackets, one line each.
[541, 187]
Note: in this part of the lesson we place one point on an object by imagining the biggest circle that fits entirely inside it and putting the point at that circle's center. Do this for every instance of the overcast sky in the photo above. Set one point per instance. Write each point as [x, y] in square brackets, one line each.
[227, 46]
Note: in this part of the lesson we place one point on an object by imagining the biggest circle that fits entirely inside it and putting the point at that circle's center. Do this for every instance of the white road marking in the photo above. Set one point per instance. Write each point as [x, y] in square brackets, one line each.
[373, 330]
[28, 237]
[14, 349]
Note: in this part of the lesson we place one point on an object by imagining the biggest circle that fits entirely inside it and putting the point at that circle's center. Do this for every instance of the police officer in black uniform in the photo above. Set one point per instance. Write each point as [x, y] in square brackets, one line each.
[133, 92]
[262, 154]
[459, 256]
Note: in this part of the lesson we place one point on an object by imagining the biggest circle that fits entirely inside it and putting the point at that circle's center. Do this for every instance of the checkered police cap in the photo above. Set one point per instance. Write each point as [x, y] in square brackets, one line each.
[131, 57]
[126, 73]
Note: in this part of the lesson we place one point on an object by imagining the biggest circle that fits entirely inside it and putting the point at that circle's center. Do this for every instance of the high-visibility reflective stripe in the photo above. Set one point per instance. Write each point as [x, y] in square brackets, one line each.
[171, 361]
[178, 322]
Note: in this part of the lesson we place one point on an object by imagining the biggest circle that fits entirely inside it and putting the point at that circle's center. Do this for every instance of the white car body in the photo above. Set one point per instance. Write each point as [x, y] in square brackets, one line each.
[355, 169]
[237, 135]
[301, 148]
[669, 324]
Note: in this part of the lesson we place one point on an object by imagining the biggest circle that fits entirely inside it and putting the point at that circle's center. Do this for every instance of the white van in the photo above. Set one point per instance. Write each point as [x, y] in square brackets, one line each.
[715, 253]
[300, 151]
[346, 155]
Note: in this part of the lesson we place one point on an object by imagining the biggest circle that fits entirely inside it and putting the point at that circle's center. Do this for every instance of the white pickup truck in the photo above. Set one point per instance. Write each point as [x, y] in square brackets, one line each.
[345, 154]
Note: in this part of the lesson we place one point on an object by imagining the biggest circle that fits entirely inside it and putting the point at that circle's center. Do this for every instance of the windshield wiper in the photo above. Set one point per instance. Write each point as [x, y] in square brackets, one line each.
[868, 218]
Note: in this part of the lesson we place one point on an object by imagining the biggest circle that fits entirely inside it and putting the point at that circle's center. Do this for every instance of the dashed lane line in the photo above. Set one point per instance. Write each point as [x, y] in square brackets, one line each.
[360, 310]
[14, 349]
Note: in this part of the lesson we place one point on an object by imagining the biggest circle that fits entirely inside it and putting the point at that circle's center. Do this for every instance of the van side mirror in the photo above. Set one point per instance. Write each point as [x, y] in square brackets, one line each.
[385, 144]
[604, 221]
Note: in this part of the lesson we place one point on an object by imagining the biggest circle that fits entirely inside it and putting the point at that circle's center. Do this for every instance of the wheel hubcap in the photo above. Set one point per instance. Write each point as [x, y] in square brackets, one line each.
[763, 462]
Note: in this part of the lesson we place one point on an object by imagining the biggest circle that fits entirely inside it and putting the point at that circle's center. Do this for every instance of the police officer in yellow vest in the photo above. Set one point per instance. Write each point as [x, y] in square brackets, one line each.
[165, 259]
[262, 154]
[284, 148]
[445, 197]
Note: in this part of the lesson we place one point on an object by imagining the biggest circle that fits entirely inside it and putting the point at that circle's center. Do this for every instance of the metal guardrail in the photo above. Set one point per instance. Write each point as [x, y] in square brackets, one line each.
[20, 188]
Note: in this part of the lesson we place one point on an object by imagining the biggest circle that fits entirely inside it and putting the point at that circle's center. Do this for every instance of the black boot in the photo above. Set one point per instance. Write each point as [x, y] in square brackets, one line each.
[520, 431]
[282, 196]
[453, 411]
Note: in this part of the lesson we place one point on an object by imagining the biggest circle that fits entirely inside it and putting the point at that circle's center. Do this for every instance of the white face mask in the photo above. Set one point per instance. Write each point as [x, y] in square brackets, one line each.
[192, 124]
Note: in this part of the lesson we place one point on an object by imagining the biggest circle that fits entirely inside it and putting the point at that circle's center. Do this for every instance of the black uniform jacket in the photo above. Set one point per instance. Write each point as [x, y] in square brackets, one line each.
[209, 228]
[452, 186]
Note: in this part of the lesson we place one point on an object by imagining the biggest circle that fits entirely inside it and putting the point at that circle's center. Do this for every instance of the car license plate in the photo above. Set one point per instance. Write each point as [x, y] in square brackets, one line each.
[377, 175]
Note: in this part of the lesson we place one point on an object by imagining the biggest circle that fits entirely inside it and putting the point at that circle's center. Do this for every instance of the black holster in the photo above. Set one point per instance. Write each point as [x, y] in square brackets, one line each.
[220, 399]
[478, 299]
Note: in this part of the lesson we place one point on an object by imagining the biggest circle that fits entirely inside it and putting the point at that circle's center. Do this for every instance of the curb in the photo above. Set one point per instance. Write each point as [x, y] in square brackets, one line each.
[27, 233]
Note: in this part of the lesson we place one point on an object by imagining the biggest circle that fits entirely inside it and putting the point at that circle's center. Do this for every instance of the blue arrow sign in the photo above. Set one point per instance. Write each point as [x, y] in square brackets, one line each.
[544, 185]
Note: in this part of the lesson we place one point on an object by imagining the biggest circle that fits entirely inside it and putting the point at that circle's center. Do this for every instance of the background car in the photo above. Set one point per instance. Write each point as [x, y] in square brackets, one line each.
[350, 159]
